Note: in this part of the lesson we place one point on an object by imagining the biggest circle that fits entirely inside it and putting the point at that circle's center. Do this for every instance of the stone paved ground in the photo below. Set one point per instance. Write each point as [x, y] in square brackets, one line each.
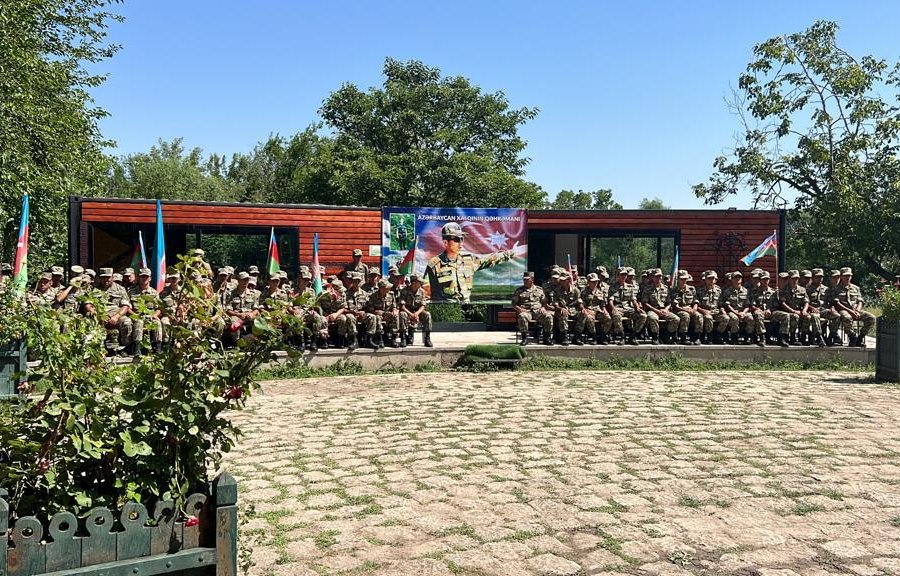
[574, 473]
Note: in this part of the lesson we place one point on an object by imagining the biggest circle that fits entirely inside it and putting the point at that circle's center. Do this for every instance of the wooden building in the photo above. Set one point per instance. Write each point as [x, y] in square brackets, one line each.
[103, 232]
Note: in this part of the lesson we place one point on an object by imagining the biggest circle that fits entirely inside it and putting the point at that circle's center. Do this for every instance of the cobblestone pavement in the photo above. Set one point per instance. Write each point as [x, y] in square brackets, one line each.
[573, 473]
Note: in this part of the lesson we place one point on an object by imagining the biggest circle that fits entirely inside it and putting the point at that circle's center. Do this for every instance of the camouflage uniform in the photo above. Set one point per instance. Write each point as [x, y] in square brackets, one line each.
[333, 300]
[452, 279]
[851, 297]
[657, 297]
[531, 300]
[708, 307]
[761, 302]
[788, 322]
[411, 300]
[566, 303]
[738, 299]
[387, 311]
[114, 298]
[595, 301]
[624, 297]
[356, 307]
[690, 319]
[146, 322]
[817, 305]
[238, 301]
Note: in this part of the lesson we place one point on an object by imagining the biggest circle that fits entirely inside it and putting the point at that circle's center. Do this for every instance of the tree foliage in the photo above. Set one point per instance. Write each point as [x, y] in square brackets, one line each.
[652, 204]
[821, 135]
[50, 146]
[600, 199]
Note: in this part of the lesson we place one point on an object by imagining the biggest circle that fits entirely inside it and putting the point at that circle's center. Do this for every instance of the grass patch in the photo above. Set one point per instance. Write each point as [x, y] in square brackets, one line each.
[453, 567]
[461, 530]
[674, 362]
[370, 510]
[521, 536]
[296, 369]
[689, 502]
[804, 508]
[326, 539]
[895, 521]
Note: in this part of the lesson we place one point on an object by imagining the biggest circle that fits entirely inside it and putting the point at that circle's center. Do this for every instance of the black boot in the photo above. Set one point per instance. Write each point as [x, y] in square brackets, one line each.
[820, 342]
[377, 341]
[523, 338]
[402, 338]
[654, 339]
[600, 337]
[783, 342]
[426, 339]
[322, 343]
[353, 344]
[564, 338]
[852, 341]
[548, 339]
[313, 345]
[576, 340]
[137, 350]
[410, 336]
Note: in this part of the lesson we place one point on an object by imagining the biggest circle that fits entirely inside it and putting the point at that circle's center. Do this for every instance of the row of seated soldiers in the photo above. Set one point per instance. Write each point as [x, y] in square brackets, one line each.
[798, 311]
[353, 308]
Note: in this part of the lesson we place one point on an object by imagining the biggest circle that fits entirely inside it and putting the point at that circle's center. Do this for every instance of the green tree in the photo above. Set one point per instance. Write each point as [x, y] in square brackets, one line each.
[50, 146]
[169, 172]
[821, 135]
[424, 139]
[652, 204]
[600, 199]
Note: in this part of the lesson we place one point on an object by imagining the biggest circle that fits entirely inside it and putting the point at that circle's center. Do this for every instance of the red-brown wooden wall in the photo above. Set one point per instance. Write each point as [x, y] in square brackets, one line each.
[699, 231]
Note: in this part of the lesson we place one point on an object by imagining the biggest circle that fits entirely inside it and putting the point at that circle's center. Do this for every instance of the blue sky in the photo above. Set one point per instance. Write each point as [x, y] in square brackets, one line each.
[631, 94]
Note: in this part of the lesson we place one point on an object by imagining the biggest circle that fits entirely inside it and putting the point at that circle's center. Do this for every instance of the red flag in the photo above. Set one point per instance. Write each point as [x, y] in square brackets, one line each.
[406, 265]
[274, 264]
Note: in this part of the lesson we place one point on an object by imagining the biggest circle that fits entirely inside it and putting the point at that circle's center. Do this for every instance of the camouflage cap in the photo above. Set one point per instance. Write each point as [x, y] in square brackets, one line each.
[242, 275]
[357, 252]
[601, 271]
[47, 276]
[198, 252]
[306, 274]
[145, 272]
[253, 269]
[764, 276]
[384, 284]
[683, 273]
[414, 278]
[565, 276]
[630, 271]
[528, 274]
[835, 273]
[173, 275]
[356, 276]
[783, 274]
[556, 275]
[592, 277]
[818, 272]
[737, 274]
[117, 277]
[374, 270]
[331, 278]
[689, 278]
[230, 269]
[793, 273]
[90, 272]
[711, 274]
[304, 267]
[394, 271]
[656, 272]
[806, 273]
[222, 272]
[846, 271]
[56, 271]
[755, 273]
[283, 275]
[452, 230]
[128, 272]
[621, 270]
[76, 269]
[104, 272]
[253, 280]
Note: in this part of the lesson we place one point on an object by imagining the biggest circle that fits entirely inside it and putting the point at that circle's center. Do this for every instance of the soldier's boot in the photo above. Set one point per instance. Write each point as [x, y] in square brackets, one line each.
[377, 341]
[410, 335]
[760, 340]
[564, 338]
[600, 338]
[820, 342]
[861, 341]
[523, 338]
[631, 339]
[697, 339]
[323, 342]
[155, 347]
[402, 338]
[654, 339]
[137, 350]
[783, 341]
[792, 340]
[353, 344]
[313, 345]
[548, 339]
[852, 341]
[576, 339]
[683, 339]
[426, 339]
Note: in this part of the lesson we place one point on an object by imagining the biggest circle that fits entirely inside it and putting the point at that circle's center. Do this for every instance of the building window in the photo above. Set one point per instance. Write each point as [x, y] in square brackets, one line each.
[640, 251]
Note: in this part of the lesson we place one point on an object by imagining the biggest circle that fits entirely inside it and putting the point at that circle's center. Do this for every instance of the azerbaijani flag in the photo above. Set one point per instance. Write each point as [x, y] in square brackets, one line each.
[159, 257]
[274, 262]
[20, 270]
[316, 273]
[769, 247]
[406, 265]
[673, 280]
[139, 258]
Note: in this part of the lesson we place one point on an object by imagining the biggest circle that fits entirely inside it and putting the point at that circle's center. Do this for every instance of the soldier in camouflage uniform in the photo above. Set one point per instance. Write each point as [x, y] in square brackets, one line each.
[817, 293]
[578, 280]
[528, 302]
[304, 307]
[656, 305]
[242, 308]
[356, 309]
[412, 306]
[683, 303]
[595, 318]
[736, 306]
[115, 313]
[357, 265]
[793, 304]
[142, 295]
[624, 304]
[451, 273]
[370, 286]
[43, 294]
[333, 301]
[56, 279]
[565, 303]
[714, 320]
[848, 302]
[386, 309]
[762, 304]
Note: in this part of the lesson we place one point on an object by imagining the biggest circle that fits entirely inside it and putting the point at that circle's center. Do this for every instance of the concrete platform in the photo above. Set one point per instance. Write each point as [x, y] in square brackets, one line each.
[449, 347]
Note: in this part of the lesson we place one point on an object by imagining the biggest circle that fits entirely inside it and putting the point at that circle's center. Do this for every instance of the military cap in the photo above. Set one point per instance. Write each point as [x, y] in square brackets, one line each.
[145, 272]
[56, 271]
[106, 272]
[356, 276]
[630, 271]
[452, 230]
[253, 269]
[793, 273]
[755, 273]
[229, 269]
[528, 274]
[331, 277]
[89, 272]
[6, 267]
[818, 272]
[128, 272]
[621, 270]
[783, 274]
[47, 276]
[222, 272]
[556, 275]
[656, 272]
[384, 283]
[173, 275]
[711, 274]
[728, 275]
[394, 270]
[283, 275]
[198, 252]
[846, 271]
[835, 273]
[76, 269]
[565, 276]
[689, 278]
[601, 271]
[644, 273]
[306, 274]
[357, 252]
[806, 273]
[243, 275]
[417, 278]
[373, 270]
[556, 268]
[737, 274]
[683, 274]
[592, 277]
[252, 279]
[117, 277]
[765, 275]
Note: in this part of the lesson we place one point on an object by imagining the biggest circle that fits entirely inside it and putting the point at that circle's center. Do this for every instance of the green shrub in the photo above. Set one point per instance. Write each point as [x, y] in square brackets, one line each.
[453, 312]
[890, 303]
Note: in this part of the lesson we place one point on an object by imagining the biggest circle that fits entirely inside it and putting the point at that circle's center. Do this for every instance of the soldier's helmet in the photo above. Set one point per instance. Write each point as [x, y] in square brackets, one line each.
[452, 230]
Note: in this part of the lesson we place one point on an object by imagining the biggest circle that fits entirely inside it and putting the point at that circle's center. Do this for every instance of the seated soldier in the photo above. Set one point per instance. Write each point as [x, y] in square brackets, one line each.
[528, 302]
[714, 320]
[338, 317]
[243, 308]
[565, 303]
[304, 307]
[413, 302]
[383, 306]
[684, 304]
[114, 315]
[145, 301]
[624, 304]
[370, 324]
[594, 319]
[848, 302]
[735, 305]
[656, 304]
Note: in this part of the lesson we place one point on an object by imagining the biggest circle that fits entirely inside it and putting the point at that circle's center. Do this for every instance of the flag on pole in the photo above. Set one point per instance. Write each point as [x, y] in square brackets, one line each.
[673, 280]
[159, 259]
[139, 258]
[618, 262]
[274, 262]
[20, 269]
[569, 262]
[316, 272]
[406, 265]
[769, 247]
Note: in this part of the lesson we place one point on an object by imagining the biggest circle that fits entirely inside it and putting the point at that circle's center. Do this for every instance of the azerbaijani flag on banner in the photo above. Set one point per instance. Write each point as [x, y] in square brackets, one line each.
[768, 247]
[406, 265]
[673, 280]
[20, 269]
[316, 273]
[139, 258]
[274, 262]
[159, 257]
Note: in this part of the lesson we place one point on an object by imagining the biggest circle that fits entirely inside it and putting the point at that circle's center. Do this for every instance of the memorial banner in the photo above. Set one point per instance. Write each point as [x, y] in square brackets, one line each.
[461, 254]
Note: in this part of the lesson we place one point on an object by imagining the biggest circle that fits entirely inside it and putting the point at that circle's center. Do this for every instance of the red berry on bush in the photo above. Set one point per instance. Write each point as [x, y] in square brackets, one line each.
[42, 466]
[191, 521]
[233, 392]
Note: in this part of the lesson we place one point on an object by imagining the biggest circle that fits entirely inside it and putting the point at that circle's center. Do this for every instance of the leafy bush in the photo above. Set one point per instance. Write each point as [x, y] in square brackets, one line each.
[100, 435]
[454, 312]
[890, 303]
